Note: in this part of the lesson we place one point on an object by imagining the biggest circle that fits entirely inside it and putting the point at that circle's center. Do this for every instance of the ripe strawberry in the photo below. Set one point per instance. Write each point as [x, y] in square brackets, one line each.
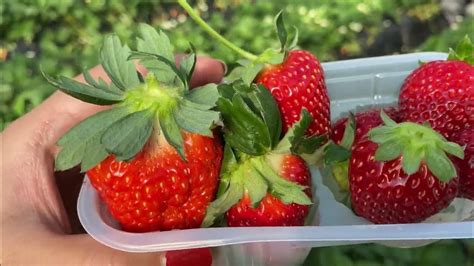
[442, 92]
[297, 83]
[153, 156]
[263, 181]
[401, 174]
[271, 211]
[157, 190]
[364, 121]
[466, 166]
[294, 77]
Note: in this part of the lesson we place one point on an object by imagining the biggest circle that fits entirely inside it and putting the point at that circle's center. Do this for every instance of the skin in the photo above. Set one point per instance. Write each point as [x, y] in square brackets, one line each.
[38, 205]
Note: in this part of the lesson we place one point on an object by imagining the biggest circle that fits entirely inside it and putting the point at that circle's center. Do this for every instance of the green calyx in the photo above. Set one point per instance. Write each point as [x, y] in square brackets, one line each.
[253, 64]
[415, 144]
[464, 51]
[162, 102]
[254, 176]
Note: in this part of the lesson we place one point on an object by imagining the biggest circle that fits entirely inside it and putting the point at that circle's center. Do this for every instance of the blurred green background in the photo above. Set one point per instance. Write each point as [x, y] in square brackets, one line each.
[63, 37]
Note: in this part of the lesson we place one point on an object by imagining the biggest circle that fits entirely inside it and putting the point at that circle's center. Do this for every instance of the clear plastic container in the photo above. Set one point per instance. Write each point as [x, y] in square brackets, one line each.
[351, 84]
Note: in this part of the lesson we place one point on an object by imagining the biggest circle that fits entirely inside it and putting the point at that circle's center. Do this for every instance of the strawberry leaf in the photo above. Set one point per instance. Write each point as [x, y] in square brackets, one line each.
[464, 51]
[309, 145]
[334, 153]
[389, 150]
[114, 59]
[88, 151]
[229, 164]
[439, 164]
[205, 95]
[127, 136]
[145, 58]
[156, 42]
[84, 92]
[281, 31]
[295, 134]
[196, 118]
[101, 84]
[255, 185]
[188, 63]
[172, 132]
[349, 132]
[228, 199]
[287, 191]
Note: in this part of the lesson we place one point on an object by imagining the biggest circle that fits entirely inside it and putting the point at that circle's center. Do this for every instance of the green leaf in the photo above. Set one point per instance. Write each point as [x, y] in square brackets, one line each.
[251, 72]
[156, 42]
[195, 117]
[188, 63]
[439, 164]
[223, 203]
[114, 59]
[389, 150]
[145, 58]
[411, 159]
[386, 119]
[453, 148]
[127, 136]
[334, 153]
[229, 164]
[243, 129]
[101, 84]
[84, 92]
[281, 31]
[381, 134]
[172, 132]
[265, 105]
[271, 56]
[89, 151]
[464, 51]
[205, 95]
[255, 185]
[349, 132]
[287, 191]
[295, 134]
[308, 145]
[294, 42]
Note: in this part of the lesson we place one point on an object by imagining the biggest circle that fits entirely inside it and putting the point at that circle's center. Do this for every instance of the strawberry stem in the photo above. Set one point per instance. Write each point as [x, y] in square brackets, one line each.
[184, 4]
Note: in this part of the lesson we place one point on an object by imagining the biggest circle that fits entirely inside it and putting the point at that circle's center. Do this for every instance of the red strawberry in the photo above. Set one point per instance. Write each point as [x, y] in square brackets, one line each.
[158, 190]
[271, 211]
[401, 174]
[294, 77]
[153, 156]
[466, 166]
[297, 83]
[442, 93]
[263, 181]
[364, 121]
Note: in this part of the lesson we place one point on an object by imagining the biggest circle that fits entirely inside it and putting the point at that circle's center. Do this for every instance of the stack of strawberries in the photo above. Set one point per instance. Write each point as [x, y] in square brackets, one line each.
[167, 156]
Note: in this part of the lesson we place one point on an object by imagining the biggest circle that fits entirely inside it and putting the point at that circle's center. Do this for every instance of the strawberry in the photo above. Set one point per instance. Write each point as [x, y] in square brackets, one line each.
[271, 211]
[466, 166]
[294, 77]
[400, 173]
[153, 156]
[297, 83]
[263, 180]
[364, 121]
[442, 92]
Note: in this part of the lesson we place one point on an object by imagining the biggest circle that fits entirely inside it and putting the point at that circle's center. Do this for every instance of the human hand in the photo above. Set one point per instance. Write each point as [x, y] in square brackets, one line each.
[35, 224]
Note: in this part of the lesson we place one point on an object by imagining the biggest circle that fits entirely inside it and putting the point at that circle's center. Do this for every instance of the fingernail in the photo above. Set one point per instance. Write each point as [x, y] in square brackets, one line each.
[224, 66]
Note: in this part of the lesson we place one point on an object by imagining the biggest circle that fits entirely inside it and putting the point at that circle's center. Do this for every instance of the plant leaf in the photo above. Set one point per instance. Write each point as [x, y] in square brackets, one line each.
[228, 199]
[453, 148]
[88, 151]
[309, 145]
[127, 136]
[205, 95]
[295, 134]
[386, 119]
[229, 164]
[188, 63]
[83, 91]
[389, 150]
[281, 31]
[114, 59]
[349, 132]
[464, 51]
[172, 132]
[411, 159]
[255, 185]
[195, 118]
[439, 164]
[334, 153]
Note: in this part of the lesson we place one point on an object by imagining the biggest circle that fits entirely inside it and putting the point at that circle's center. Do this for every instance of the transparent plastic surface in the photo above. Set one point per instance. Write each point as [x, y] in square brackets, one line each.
[351, 84]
